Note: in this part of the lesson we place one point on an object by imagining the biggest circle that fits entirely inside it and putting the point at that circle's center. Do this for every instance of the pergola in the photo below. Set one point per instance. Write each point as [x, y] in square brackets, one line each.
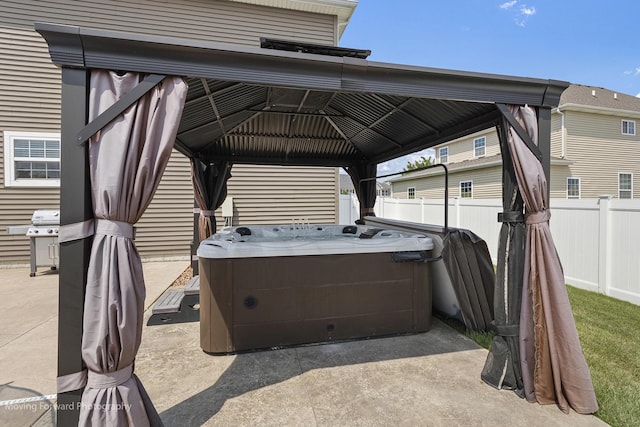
[265, 106]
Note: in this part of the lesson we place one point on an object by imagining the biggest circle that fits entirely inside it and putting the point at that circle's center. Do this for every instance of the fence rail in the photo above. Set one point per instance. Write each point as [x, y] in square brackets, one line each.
[598, 240]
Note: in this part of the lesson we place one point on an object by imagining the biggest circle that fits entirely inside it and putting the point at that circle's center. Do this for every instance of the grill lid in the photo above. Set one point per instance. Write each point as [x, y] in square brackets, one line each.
[45, 217]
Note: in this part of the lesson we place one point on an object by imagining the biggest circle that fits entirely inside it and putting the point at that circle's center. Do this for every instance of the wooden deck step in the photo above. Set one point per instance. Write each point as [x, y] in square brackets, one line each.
[169, 302]
[193, 286]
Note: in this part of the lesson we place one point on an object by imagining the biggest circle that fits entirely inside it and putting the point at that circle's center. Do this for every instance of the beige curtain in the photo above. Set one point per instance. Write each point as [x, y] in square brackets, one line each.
[127, 160]
[210, 189]
[553, 366]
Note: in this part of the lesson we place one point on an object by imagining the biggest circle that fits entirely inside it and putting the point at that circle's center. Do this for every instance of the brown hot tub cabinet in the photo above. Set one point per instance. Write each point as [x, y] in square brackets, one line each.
[270, 286]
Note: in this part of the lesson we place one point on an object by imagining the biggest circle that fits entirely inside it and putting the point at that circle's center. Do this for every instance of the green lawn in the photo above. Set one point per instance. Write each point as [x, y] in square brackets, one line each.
[609, 331]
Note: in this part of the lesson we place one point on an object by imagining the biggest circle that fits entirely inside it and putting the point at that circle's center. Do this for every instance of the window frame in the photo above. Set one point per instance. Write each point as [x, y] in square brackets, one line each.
[484, 146]
[630, 190]
[440, 150]
[579, 196]
[9, 138]
[627, 122]
[411, 196]
[462, 194]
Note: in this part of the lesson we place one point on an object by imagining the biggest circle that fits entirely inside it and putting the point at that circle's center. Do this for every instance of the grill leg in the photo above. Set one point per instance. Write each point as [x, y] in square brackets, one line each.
[32, 246]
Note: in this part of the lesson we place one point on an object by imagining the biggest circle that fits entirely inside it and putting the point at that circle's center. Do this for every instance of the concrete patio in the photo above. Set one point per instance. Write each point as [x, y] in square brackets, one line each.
[428, 379]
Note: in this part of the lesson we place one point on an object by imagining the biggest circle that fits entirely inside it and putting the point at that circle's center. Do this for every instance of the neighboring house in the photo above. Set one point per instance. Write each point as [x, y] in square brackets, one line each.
[383, 189]
[30, 113]
[595, 150]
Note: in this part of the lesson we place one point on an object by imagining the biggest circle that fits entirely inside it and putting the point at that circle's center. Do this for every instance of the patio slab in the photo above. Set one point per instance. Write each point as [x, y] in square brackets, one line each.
[427, 379]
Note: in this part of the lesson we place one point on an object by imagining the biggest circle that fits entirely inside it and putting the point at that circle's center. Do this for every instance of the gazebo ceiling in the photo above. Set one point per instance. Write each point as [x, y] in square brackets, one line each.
[265, 106]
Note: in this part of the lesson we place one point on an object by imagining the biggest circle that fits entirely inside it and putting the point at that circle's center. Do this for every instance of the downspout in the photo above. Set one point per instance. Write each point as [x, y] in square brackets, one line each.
[562, 133]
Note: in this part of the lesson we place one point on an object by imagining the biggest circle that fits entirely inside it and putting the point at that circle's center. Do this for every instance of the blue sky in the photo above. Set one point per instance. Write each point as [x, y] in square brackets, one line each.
[589, 42]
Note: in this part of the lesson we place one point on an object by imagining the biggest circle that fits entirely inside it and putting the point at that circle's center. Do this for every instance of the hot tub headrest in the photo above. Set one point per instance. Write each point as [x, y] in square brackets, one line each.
[350, 229]
[243, 231]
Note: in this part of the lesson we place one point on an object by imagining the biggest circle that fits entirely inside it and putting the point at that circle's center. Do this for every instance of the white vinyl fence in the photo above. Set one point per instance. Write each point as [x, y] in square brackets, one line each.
[598, 240]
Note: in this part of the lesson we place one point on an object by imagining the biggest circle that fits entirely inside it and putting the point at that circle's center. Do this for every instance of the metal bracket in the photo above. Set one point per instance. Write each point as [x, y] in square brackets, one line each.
[522, 133]
[119, 107]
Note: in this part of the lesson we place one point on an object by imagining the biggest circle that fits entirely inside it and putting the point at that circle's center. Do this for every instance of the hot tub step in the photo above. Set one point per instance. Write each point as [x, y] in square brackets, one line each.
[175, 306]
[169, 302]
[193, 286]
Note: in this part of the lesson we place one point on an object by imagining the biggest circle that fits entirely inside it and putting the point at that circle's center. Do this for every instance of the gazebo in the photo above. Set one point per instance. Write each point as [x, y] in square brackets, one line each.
[127, 99]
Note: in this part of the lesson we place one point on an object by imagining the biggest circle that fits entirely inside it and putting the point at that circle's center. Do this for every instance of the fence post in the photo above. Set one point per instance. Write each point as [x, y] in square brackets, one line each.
[456, 205]
[604, 264]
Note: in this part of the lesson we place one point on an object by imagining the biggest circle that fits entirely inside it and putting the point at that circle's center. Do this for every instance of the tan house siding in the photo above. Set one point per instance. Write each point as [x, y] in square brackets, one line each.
[487, 183]
[462, 149]
[166, 227]
[600, 151]
[30, 102]
[595, 149]
[210, 20]
[559, 175]
[556, 135]
[276, 194]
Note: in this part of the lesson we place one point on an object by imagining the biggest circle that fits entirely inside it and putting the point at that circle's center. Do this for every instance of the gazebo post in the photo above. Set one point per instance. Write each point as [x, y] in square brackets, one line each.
[76, 206]
[196, 240]
[544, 144]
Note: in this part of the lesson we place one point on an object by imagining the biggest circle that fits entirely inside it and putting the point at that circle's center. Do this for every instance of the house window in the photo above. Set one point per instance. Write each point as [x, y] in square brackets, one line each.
[444, 155]
[625, 186]
[479, 146]
[466, 189]
[573, 188]
[31, 159]
[628, 127]
[411, 192]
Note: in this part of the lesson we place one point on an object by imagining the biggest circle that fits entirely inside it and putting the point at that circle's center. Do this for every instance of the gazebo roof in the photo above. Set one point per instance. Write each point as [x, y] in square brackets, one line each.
[266, 106]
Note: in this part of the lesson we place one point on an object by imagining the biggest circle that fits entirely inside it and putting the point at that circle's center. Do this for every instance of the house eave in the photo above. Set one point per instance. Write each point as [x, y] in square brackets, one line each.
[485, 165]
[341, 9]
[594, 109]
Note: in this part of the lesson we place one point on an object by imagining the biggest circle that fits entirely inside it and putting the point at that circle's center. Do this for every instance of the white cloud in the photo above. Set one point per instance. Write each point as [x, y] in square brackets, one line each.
[521, 14]
[527, 11]
[508, 5]
[638, 95]
[635, 72]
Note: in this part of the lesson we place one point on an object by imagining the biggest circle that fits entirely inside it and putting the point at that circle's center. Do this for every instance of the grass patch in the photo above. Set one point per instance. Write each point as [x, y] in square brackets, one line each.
[609, 331]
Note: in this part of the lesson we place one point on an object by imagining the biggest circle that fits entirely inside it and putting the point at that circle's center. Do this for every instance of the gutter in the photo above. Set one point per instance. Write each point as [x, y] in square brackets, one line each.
[563, 133]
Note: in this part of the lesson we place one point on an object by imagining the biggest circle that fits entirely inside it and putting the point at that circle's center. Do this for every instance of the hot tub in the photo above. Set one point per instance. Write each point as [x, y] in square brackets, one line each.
[271, 286]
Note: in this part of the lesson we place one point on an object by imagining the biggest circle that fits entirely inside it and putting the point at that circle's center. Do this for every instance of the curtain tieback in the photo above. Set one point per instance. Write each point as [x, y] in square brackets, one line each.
[109, 379]
[109, 227]
[84, 229]
[86, 378]
[203, 212]
[537, 217]
[71, 382]
[76, 231]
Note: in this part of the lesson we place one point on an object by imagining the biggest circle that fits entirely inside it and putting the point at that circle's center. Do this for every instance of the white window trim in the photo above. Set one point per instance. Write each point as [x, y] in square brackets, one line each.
[414, 193]
[440, 154]
[460, 188]
[484, 148]
[619, 189]
[622, 127]
[9, 180]
[579, 188]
